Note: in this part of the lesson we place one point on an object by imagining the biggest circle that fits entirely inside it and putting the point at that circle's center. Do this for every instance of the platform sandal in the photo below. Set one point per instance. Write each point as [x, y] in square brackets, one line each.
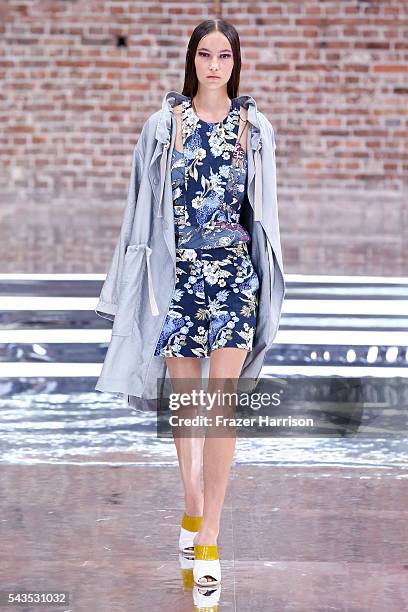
[206, 565]
[189, 529]
[206, 600]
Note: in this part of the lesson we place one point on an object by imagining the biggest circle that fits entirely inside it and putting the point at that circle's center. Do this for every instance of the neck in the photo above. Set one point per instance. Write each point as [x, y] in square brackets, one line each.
[212, 102]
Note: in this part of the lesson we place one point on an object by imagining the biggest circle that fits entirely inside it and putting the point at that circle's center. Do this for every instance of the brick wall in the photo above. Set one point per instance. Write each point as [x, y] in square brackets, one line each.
[80, 77]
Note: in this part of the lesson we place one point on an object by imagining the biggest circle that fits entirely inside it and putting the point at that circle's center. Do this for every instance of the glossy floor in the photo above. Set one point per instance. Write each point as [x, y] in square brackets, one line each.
[292, 538]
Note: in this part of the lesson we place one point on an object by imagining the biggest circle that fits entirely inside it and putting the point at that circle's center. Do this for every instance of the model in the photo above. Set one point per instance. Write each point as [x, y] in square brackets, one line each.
[202, 190]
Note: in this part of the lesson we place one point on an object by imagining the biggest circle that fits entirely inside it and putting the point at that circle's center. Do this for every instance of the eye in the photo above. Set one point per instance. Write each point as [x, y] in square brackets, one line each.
[223, 55]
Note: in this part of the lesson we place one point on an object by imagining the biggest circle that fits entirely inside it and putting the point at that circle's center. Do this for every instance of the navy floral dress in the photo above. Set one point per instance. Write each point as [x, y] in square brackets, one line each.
[214, 172]
[215, 299]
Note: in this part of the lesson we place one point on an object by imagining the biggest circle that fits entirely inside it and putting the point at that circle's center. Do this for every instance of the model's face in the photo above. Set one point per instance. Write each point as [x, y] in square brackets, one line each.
[214, 57]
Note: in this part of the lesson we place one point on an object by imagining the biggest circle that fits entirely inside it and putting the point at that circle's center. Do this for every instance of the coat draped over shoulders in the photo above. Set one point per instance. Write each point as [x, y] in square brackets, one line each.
[139, 284]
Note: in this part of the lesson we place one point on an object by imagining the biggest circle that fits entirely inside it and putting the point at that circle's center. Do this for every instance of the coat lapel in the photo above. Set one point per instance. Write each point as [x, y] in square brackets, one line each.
[164, 137]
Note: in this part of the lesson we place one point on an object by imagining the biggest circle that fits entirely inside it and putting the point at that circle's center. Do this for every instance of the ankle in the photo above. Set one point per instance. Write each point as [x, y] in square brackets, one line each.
[194, 507]
[207, 535]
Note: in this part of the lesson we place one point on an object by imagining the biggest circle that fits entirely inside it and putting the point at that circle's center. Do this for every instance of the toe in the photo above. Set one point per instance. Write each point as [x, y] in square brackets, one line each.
[206, 579]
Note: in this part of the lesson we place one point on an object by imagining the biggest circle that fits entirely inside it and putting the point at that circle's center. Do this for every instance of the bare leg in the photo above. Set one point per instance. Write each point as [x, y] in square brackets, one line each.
[218, 452]
[182, 371]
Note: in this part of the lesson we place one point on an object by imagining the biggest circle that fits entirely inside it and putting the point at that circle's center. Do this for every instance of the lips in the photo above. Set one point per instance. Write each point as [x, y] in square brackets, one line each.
[213, 77]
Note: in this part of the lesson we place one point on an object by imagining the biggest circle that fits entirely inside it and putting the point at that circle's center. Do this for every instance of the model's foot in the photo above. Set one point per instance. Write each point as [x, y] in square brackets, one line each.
[206, 536]
[193, 508]
[209, 538]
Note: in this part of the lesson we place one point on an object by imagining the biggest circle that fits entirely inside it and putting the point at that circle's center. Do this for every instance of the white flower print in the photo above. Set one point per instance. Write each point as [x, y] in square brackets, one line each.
[212, 191]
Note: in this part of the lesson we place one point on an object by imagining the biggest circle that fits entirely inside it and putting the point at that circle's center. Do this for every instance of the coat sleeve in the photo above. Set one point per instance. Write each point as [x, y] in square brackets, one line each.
[272, 133]
[109, 296]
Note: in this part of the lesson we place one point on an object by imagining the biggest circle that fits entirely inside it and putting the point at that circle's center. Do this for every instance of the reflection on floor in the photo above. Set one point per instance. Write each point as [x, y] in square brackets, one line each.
[317, 539]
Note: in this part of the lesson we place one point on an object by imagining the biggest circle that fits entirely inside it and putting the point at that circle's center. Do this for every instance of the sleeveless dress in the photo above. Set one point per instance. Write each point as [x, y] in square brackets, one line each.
[215, 299]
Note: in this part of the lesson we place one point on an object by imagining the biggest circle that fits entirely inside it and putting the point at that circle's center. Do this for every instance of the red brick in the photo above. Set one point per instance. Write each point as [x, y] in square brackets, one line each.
[331, 77]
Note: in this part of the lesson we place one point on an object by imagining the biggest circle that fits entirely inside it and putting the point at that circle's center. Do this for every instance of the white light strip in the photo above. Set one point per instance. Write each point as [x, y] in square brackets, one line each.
[52, 277]
[55, 336]
[352, 280]
[381, 308]
[345, 371]
[345, 338]
[289, 278]
[52, 370]
[29, 302]
[49, 370]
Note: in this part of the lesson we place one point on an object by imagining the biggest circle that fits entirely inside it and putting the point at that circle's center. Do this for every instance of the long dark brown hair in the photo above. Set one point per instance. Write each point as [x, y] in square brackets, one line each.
[205, 27]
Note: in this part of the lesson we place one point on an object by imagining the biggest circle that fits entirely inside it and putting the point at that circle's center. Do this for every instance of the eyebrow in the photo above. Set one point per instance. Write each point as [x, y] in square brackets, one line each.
[222, 51]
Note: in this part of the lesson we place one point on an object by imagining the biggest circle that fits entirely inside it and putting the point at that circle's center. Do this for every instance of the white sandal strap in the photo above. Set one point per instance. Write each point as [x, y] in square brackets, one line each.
[206, 600]
[186, 538]
[203, 567]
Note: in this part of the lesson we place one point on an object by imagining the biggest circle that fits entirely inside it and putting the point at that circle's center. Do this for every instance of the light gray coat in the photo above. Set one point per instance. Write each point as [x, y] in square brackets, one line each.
[139, 285]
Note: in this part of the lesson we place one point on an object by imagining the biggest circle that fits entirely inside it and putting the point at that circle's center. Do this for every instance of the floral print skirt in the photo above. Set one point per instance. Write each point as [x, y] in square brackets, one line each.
[214, 304]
